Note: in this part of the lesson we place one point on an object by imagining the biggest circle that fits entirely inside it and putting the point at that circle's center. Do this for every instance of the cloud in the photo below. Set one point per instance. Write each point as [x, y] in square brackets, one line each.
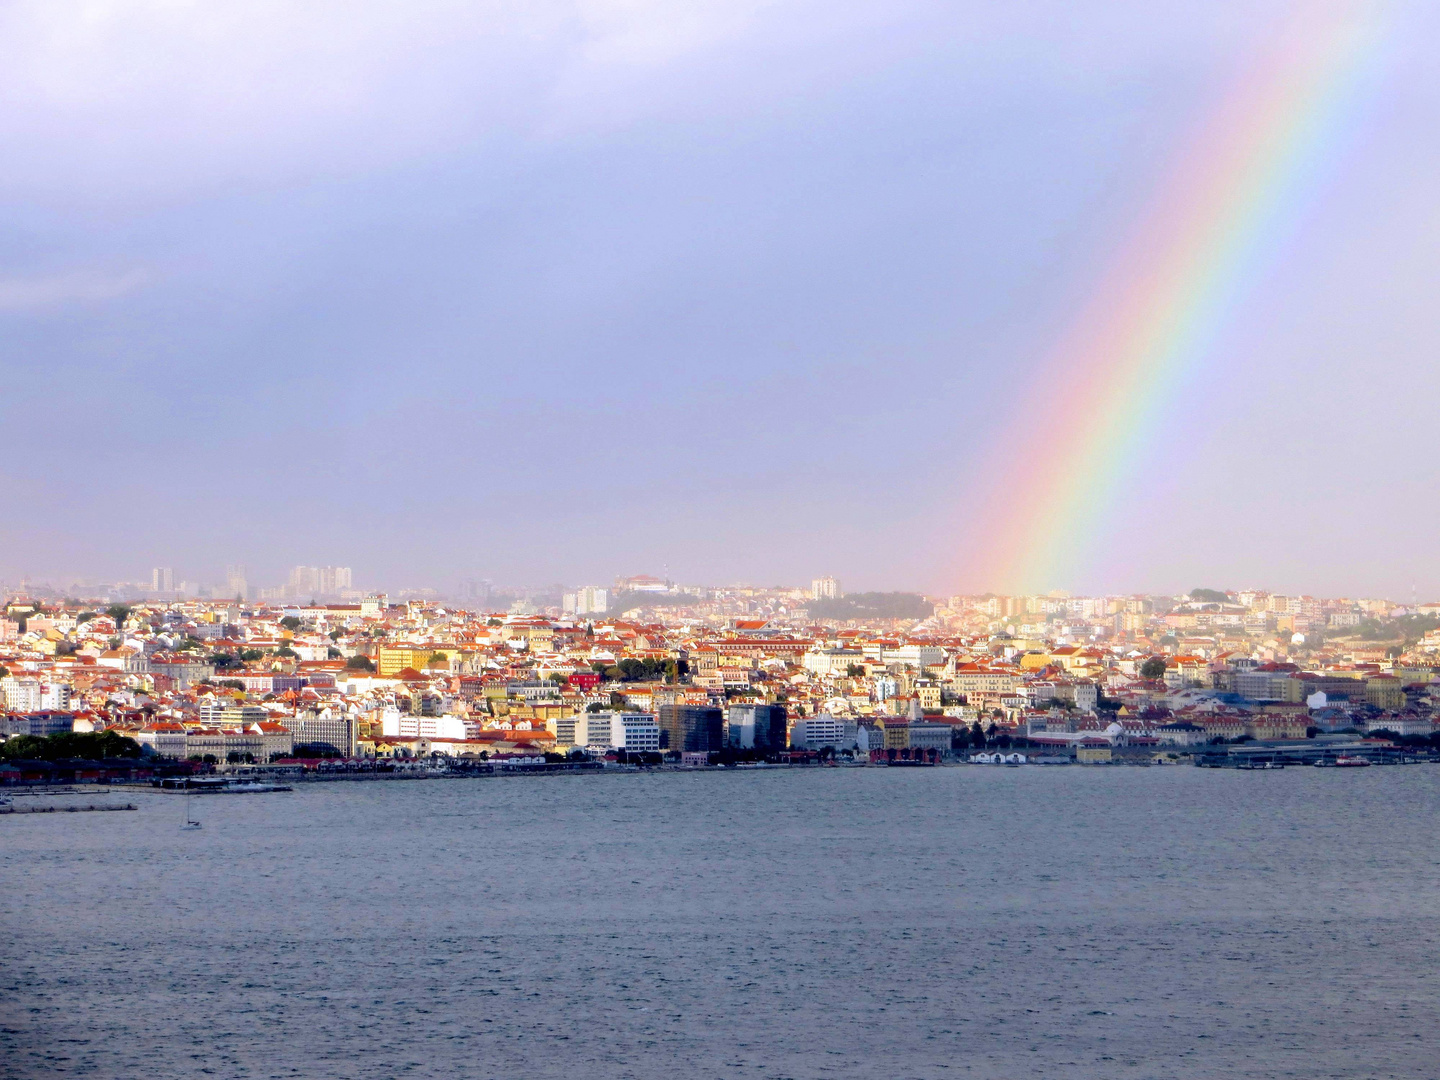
[76, 287]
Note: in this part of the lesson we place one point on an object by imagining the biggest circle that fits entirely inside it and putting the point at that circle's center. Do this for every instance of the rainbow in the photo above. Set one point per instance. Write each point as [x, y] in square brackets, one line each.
[1154, 316]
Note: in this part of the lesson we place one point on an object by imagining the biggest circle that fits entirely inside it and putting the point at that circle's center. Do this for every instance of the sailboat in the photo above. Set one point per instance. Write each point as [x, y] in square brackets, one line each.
[190, 822]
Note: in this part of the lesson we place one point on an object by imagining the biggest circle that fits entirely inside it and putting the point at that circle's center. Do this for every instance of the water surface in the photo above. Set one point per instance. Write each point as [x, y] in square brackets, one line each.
[982, 922]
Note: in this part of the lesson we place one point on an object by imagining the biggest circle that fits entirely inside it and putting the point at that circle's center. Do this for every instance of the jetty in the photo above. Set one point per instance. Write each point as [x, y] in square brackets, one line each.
[88, 808]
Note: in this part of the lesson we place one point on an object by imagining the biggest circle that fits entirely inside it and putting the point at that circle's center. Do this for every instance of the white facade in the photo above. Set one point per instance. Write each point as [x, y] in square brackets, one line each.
[824, 588]
[55, 696]
[916, 656]
[1402, 725]
[592, 600]
[397, 725]
[634, 732]
[21, 695]
[830, 661]
[820, 731]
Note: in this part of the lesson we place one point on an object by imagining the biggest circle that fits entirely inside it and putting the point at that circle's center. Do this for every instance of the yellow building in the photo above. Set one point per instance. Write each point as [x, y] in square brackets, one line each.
[897, 734]
[390, 660]
[1385, 692]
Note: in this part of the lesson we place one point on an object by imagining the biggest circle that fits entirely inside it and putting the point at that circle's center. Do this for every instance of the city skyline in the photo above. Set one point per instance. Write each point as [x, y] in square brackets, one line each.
[665, 538]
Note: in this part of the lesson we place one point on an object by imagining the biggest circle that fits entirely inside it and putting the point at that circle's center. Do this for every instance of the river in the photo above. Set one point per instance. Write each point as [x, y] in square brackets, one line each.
[888, 923]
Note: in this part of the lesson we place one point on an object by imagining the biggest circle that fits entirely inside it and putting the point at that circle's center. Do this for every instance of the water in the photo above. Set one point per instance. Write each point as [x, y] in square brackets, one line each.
[980, 922]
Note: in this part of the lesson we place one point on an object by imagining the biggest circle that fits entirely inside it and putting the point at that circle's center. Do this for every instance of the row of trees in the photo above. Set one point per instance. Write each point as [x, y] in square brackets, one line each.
[65, 745]
[643, 669]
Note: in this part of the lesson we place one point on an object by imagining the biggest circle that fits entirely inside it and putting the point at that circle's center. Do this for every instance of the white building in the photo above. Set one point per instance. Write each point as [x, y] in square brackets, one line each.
[220, 743]
[632, 732]
[825, 588]
[236, 587]
[21, 695]
[831, 661]
[591, 600]
[55, 695]
[397, 725]
[816, 732]
[916, 656]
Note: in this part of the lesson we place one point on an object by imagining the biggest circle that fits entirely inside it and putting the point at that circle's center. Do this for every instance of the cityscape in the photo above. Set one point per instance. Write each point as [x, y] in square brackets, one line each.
[764, 539]
[646, 673]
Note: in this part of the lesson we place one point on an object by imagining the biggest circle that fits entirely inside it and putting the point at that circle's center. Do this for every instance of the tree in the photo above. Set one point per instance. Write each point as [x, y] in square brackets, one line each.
[91, 746]
[1209, 596]
[1154, 668]
[118, 612]
[291, 623]
[977, 736]
[359, 663]
[286, 651]
[855, 671]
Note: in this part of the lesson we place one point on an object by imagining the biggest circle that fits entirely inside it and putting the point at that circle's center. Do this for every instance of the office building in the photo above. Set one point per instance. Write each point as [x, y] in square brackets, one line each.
[691, 728]
[757, 727]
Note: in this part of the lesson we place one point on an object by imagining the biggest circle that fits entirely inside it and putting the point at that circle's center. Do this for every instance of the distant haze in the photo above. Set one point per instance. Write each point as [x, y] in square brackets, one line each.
[729, 291]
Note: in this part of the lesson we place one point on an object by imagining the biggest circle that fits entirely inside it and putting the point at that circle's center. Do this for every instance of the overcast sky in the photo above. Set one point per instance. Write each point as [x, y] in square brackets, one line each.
[545, 292]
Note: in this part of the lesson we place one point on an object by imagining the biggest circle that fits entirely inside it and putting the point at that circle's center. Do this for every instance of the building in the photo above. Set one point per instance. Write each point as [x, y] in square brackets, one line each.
[236, 587]
[588, 600]
[185, 671]
[317, 581]
[334, 731]
[1385, 692]
[395, 724]
[757, 727]
[564, 729]
[21, 694]
[162, 579]
[40, 722]
[825, 588]
[691, 728]
[929, 735]
[831, 661]
[1181, 733]
[220, 743]
[163, 739]
[818, 732]
[591, 729]
[220, 713]
[641, 583]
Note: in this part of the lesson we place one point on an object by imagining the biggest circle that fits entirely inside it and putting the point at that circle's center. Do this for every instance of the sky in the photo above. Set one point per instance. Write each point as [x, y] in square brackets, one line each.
[736, 292]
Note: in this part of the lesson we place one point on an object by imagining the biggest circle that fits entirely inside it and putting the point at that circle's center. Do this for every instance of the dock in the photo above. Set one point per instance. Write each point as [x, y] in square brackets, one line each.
[92, 807]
